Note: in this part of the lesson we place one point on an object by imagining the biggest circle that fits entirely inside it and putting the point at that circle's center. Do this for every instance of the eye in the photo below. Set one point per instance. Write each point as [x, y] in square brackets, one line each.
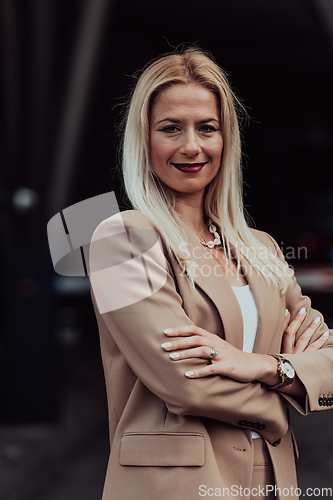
[207, 128]
[169, 129]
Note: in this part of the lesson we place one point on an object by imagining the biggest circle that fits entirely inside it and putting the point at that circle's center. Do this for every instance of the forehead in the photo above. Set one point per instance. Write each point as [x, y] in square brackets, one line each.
[189, 97]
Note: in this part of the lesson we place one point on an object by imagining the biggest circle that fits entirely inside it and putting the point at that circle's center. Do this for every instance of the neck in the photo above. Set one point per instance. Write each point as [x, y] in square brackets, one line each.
[192, 211]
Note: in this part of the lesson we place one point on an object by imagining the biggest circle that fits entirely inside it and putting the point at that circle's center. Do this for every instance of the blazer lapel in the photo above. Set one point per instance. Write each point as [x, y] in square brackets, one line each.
[210, 278]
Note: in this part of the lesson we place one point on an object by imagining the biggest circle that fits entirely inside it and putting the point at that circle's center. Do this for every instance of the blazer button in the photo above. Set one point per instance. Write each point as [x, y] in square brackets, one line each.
[250, 424]
[324, 401]
[320, 401]
[276, 443]
[261, 427]
[242, 422]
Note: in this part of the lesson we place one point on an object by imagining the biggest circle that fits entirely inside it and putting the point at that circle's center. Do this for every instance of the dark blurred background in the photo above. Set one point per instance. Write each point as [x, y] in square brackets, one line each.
[66, 69]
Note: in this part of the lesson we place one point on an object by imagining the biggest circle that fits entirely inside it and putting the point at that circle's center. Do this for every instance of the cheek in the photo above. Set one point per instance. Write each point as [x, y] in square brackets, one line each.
[155, 157]
[159, 152]
[217, 149]
[153, 150]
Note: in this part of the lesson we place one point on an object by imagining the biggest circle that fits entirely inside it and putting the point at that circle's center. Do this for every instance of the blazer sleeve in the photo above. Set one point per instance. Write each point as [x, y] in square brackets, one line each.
[314, 368]
[135, 294]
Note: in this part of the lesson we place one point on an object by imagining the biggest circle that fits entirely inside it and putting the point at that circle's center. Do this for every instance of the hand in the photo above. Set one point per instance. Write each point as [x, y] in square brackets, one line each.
[290, 346]
[229, 361]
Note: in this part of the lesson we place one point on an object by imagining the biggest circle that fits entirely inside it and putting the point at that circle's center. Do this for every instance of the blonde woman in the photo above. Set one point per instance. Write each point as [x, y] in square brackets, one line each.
[200, 366]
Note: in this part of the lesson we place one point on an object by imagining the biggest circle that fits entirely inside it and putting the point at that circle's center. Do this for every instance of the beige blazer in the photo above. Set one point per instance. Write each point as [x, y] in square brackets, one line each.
[172, 437]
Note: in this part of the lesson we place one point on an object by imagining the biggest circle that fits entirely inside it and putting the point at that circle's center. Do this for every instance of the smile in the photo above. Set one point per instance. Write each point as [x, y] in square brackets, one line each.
[189, 167]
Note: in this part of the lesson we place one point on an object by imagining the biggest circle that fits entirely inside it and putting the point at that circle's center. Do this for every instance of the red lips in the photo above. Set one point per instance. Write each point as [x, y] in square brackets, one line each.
[189, 167]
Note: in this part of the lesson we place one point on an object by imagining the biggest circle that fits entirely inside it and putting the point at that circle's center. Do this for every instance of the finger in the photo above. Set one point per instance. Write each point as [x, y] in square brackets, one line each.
[306, 336]
[197, 352]
[184, 343]
[286, 319]
[288, 340]
[202, 372]
[319, 342]
[184, 331]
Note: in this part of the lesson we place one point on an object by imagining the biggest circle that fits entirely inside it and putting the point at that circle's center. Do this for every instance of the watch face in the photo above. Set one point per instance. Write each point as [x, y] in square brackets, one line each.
[288, 369]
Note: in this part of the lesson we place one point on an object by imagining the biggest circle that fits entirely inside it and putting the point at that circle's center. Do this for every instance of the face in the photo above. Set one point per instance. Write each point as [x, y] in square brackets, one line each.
[185, 138]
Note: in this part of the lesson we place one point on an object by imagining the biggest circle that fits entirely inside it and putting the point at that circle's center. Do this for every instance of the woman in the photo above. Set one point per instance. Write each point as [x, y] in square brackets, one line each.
[191, 305]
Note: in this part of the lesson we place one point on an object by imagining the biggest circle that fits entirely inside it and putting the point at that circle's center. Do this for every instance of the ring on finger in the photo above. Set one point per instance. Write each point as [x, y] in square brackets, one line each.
[213, 353]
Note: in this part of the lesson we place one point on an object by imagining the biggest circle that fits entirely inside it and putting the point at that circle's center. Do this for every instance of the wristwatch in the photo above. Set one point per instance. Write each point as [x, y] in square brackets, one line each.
[286, 372]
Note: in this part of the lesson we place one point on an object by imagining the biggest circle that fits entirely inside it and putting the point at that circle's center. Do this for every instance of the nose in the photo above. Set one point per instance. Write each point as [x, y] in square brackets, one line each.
[190, 144]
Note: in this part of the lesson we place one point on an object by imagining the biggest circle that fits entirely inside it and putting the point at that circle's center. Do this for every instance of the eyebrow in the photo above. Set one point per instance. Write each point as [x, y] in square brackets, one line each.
[173, 120]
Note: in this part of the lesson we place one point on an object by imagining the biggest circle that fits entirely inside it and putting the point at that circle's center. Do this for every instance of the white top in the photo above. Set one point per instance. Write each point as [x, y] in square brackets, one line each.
[250, 321]
[249, 313]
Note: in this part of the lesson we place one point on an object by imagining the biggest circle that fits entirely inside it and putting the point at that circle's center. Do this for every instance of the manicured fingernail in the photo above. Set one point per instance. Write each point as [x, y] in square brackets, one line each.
[326, 334]
[286, 313]
[168, 330]
[317, 320]
[189, 374]
[166, 344]
[174, 355]
[302, 311]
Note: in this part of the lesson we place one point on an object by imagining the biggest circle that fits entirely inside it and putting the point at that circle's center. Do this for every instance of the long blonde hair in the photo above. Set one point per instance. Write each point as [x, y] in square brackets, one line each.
[224, 195]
